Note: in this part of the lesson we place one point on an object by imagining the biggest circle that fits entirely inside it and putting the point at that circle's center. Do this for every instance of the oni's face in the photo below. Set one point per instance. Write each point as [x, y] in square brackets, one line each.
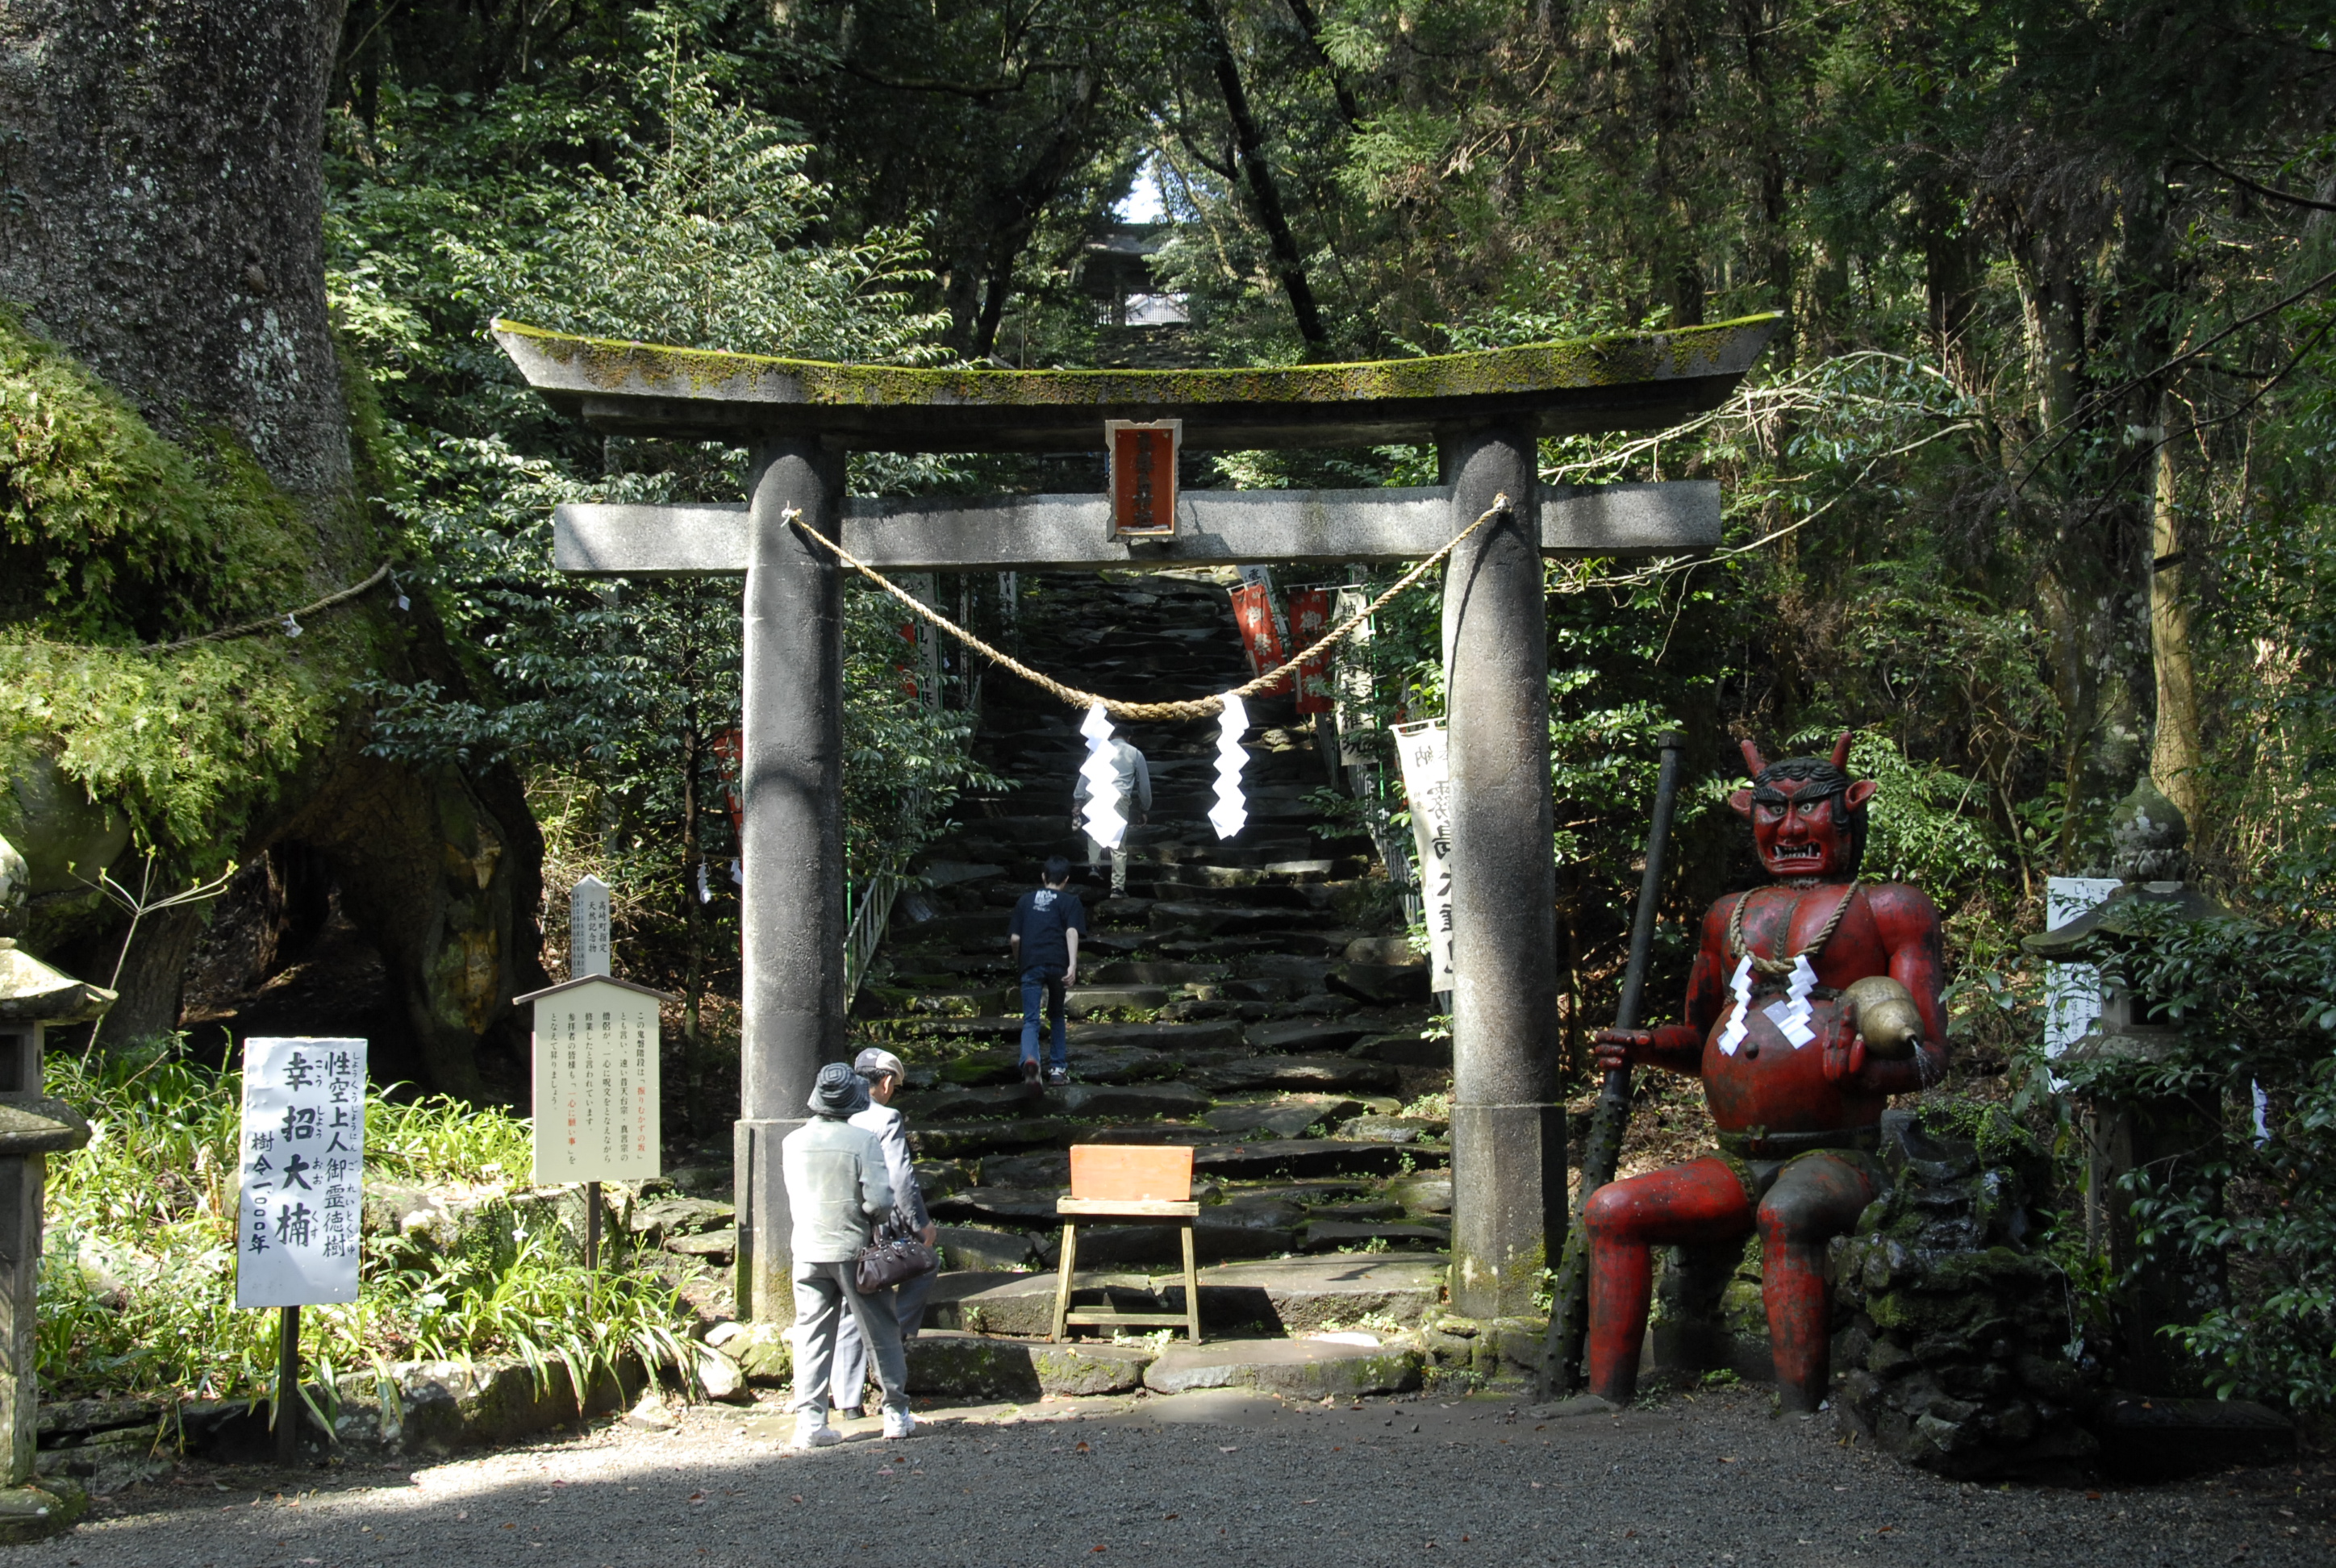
[1805, 837]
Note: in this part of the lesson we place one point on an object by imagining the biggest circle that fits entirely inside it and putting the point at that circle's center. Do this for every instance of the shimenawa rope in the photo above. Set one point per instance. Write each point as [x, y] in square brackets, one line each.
[1197, 707]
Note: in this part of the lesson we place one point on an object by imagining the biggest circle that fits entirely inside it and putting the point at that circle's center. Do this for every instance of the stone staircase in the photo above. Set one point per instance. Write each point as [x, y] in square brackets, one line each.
[1254, 998]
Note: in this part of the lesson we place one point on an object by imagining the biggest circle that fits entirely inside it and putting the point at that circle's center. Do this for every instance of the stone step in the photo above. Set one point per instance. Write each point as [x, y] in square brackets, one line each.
[1160, 972]
[1297, 1036]
[1295, 1369]
[1185, 1039]
[1310, 1075]
[1404, 1050]
[1283, 1118]
[962, 1366]
[1220, 919]
[1083, 1101]
[973, 1138]
[1308, 1157]
[1273, 1296]
[1351, 1235]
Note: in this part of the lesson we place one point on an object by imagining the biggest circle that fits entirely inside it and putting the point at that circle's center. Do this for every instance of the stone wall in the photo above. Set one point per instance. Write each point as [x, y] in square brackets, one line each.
[1950, 1330]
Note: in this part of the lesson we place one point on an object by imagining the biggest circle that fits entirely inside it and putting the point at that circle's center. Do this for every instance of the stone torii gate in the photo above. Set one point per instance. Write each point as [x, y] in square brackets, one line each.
[1484, 412]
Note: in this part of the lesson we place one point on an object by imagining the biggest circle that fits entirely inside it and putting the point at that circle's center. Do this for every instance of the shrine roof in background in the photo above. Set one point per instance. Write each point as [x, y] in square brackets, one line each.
[1623, 382]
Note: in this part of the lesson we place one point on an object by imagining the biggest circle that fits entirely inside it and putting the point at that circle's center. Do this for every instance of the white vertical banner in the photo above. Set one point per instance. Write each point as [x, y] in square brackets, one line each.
[597, 1102]
[1428, 784]
[300, 1193]
[2072, 992]
[1351, 687]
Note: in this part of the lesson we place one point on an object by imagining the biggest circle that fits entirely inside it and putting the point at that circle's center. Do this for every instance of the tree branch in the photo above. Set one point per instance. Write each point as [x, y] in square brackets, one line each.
[1263, 192]
[2260, 188]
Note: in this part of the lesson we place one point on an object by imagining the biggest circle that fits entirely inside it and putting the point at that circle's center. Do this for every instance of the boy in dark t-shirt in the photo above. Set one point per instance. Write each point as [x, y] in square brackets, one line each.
[1047, 924]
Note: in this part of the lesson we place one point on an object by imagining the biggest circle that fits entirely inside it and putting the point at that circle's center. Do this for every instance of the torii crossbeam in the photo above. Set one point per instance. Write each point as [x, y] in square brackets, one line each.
[1484, 412]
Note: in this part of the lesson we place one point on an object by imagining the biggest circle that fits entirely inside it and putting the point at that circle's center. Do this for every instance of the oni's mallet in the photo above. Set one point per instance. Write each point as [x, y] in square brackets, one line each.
[32, 1126]
[1569, 1315]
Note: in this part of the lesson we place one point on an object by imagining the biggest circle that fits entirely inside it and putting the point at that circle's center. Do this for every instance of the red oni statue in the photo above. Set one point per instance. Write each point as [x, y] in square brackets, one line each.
[1796, 1082]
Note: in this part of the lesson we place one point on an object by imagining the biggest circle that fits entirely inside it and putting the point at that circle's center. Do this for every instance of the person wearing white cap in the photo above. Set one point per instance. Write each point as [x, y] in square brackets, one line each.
[836, 1186]
[883, 1072]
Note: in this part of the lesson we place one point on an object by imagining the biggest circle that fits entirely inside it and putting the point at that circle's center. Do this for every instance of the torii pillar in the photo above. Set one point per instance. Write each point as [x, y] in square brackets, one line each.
[791, 849]
[1508, 1126]
[1485, 412]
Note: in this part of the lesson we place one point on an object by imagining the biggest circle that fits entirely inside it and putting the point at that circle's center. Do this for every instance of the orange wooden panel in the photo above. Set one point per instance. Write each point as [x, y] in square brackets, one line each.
[1124, 1170]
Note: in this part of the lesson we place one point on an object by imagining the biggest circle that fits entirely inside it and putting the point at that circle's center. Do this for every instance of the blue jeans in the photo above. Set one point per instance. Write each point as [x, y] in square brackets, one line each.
[1043, 984]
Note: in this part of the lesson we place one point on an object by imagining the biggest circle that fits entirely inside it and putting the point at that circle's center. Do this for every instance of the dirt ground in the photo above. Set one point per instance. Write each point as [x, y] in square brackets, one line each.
[1226, 1476]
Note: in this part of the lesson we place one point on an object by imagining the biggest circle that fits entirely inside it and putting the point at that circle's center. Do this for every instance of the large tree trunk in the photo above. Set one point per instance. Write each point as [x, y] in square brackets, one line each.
[162, 217]
[165, 212]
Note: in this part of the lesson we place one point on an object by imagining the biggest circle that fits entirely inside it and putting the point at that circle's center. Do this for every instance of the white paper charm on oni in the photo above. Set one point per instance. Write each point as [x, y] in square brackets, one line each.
[1741, 985]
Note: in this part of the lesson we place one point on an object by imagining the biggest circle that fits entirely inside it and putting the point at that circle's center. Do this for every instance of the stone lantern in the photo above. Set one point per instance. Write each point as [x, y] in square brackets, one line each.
[32, 1126]
[2160, 1133]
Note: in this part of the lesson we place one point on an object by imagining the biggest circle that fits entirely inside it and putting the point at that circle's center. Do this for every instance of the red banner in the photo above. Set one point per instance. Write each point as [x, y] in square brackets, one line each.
[730, 746]
[1310, 618]
[1253, 610]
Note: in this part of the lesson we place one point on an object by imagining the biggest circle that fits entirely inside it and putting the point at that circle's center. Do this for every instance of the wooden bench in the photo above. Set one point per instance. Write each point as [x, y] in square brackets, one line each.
[1146, 1184]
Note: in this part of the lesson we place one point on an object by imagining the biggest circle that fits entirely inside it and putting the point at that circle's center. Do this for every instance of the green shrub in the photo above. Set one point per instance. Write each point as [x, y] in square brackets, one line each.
[138, 1279]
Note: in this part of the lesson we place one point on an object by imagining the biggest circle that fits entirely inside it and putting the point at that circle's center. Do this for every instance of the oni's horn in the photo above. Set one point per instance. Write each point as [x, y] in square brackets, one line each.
[1754, 765]
[1841, 752]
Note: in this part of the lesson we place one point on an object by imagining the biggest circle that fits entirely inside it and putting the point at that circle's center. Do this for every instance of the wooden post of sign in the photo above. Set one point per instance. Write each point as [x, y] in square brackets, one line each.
[287, 1387]
[591, 1227]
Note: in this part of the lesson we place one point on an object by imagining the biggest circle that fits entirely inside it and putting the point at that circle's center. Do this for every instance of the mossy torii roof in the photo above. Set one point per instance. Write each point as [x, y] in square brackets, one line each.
[1624, 382]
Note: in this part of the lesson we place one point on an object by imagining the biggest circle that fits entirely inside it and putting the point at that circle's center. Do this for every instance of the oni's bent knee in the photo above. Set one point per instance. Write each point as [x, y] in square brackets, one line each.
[1613, 1213]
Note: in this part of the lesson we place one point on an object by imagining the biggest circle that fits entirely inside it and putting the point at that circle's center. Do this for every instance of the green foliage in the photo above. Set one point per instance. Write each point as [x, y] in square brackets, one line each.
[110, 532]
[2256, 1001]
[189, 744]
[138, 1279]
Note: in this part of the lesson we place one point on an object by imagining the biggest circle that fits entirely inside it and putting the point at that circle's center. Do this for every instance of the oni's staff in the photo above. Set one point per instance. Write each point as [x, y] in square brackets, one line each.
[1568, 1312]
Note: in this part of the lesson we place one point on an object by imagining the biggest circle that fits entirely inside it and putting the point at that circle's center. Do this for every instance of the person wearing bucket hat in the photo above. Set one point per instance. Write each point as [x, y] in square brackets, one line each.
[882, 1072]
[837, 1185]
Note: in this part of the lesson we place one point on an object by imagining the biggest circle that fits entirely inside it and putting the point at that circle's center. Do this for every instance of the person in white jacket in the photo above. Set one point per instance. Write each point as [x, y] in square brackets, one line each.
[882, 1072]
[836, 1186]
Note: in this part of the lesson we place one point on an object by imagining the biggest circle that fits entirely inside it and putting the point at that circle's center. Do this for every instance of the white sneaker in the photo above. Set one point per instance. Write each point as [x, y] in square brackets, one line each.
[813, 1432]
[898, 1422]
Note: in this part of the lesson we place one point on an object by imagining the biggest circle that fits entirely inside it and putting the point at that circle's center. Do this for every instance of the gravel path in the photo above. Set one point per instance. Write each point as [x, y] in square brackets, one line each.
[1201, 1477]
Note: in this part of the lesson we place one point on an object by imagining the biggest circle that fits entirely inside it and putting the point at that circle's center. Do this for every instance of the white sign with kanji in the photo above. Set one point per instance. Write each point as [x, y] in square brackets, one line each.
[300, 1198]
[1428, 784]
[596, 1082]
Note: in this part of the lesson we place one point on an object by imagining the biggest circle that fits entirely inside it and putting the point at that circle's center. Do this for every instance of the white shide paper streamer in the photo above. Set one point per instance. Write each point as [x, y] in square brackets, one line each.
[1101, 771]
[1229, 815]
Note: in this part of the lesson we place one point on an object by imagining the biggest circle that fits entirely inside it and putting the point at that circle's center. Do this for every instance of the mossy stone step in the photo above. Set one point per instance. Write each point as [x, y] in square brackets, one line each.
[1348, 1235]
[1296, 1368]
[1283, 1118]
[973, 1366]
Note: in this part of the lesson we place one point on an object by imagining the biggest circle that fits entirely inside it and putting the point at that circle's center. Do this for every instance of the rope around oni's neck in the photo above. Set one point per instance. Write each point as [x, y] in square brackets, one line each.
[1196, 708]
[1739, 948]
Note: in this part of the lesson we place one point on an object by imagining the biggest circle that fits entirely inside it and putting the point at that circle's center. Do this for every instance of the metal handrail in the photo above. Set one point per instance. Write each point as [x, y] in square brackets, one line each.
[872, 912]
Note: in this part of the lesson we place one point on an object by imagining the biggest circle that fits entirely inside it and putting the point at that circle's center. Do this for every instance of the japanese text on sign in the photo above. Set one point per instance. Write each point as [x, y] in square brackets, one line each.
[596, 1084]
[1427, 782]
[300, 1198]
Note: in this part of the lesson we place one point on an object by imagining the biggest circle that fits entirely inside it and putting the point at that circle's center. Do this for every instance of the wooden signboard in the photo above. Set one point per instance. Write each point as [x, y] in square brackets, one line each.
[1144, 476]
[1131, 1173]
[596, 1081]
[300, 1197]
